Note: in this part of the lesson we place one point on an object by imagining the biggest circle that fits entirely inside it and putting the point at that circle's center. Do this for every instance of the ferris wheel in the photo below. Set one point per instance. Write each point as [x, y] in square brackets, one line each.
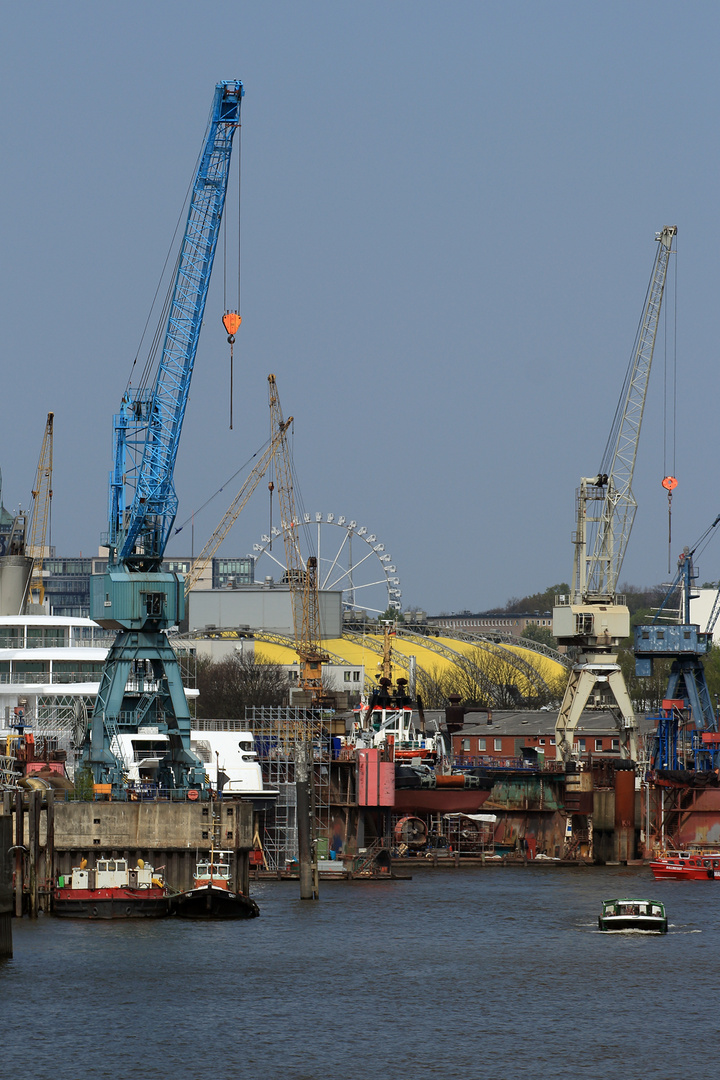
[350, 558]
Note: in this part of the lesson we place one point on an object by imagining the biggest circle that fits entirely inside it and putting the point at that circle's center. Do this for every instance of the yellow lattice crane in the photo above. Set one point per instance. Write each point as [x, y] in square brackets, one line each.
[302, 577]
[41, 504]
[232, 512]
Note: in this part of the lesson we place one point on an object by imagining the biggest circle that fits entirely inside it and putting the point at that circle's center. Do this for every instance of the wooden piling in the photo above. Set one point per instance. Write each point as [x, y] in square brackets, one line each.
[33, 846]
[6, 897]
[19, 852]
[305, 854]
[49, 850]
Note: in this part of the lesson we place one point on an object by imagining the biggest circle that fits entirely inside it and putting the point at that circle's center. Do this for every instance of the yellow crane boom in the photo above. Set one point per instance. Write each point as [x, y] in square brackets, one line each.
[302, 579]
[233, 511]
[42, 501]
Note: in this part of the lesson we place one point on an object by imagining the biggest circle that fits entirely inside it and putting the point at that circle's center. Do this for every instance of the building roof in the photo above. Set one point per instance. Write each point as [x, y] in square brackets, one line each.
[541, 722]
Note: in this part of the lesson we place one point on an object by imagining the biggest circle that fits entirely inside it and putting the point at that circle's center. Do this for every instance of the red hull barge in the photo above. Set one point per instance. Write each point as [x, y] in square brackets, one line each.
[112, 903]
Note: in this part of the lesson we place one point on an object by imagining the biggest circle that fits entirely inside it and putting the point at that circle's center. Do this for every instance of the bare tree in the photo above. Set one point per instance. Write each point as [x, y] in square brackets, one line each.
[227, 687]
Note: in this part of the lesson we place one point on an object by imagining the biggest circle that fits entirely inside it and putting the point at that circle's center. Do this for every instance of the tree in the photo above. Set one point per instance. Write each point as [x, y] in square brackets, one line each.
[542, 601]
[229, 686]
[392, 615]
[542, 634]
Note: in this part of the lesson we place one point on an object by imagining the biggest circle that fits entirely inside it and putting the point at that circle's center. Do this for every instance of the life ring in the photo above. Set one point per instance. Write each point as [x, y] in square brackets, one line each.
[128, 910]
[93, 911]
[193, 794]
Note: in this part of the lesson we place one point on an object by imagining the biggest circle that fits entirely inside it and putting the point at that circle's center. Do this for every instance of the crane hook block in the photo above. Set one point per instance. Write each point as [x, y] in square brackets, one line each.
[669, 483]
[231, 322]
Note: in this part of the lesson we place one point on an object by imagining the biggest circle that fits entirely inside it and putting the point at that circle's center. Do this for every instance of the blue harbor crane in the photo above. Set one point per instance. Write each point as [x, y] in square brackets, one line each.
[687, 698]
[141, 683]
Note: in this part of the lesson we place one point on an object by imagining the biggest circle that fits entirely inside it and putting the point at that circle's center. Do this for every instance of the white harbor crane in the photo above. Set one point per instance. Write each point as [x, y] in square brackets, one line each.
[594, 619]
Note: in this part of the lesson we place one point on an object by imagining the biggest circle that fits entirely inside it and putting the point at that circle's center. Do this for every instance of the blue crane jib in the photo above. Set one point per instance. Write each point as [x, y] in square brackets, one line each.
[141, 683]
[138, 537]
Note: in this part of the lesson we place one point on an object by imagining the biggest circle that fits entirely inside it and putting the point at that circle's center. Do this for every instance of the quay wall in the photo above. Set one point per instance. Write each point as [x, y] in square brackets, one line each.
[164, 825]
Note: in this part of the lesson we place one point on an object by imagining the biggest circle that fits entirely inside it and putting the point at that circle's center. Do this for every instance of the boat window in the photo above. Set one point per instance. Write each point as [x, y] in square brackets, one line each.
[202, 870]
[111, 865]
[121, 865]
[102, 866]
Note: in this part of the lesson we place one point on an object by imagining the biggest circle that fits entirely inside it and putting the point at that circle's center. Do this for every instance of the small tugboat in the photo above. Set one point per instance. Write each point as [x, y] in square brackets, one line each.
[211, 896]
[687, 864]
[647, 916]
[111, 890]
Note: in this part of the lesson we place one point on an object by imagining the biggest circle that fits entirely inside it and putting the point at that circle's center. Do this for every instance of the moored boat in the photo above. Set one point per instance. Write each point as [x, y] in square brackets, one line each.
[111, 890]
[681, 865]
[211, 896]
[647, 916]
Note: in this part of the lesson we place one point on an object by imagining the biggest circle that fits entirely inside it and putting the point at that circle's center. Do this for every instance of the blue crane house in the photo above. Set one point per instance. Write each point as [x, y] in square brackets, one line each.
[141, 685]
[687, 701]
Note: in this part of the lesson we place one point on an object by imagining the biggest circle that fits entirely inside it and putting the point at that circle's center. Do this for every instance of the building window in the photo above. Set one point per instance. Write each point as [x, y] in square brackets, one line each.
[482, 746]
[598, 744]
[552, 742]
[616, 744]
[466, 746]
[498, 744]
[356, 676]
[346, 676]
[541, 741]
[581, 745]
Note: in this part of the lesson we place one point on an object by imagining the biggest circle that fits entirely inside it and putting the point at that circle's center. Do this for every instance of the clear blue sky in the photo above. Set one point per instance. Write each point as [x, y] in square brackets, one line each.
[448, 228]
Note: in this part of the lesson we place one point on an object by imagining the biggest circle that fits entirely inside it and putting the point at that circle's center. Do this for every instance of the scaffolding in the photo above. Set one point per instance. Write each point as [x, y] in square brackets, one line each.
[279, 732]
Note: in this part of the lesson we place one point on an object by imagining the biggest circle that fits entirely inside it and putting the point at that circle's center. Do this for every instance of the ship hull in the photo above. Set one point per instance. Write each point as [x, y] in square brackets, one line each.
[210, 902]
[111, 903]
[439, 801]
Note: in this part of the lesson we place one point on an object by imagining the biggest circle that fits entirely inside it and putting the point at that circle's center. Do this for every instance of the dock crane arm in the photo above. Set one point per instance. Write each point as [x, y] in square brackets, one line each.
[42, 501]
[599, 561]
[140, 540]
[302, 577]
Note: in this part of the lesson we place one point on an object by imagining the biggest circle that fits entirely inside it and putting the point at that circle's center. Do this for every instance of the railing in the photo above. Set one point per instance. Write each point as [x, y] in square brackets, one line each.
[37, 678]
[55, 643]
[141, 793]
[221, 725]
[490, 762]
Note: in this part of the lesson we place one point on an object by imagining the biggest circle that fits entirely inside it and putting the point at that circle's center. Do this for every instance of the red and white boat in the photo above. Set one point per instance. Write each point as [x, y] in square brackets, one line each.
[212, 895]
[111, 890]
[679, 865]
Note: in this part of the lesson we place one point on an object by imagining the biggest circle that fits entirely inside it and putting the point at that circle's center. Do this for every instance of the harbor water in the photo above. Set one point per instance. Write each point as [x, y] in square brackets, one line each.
[496, 972]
